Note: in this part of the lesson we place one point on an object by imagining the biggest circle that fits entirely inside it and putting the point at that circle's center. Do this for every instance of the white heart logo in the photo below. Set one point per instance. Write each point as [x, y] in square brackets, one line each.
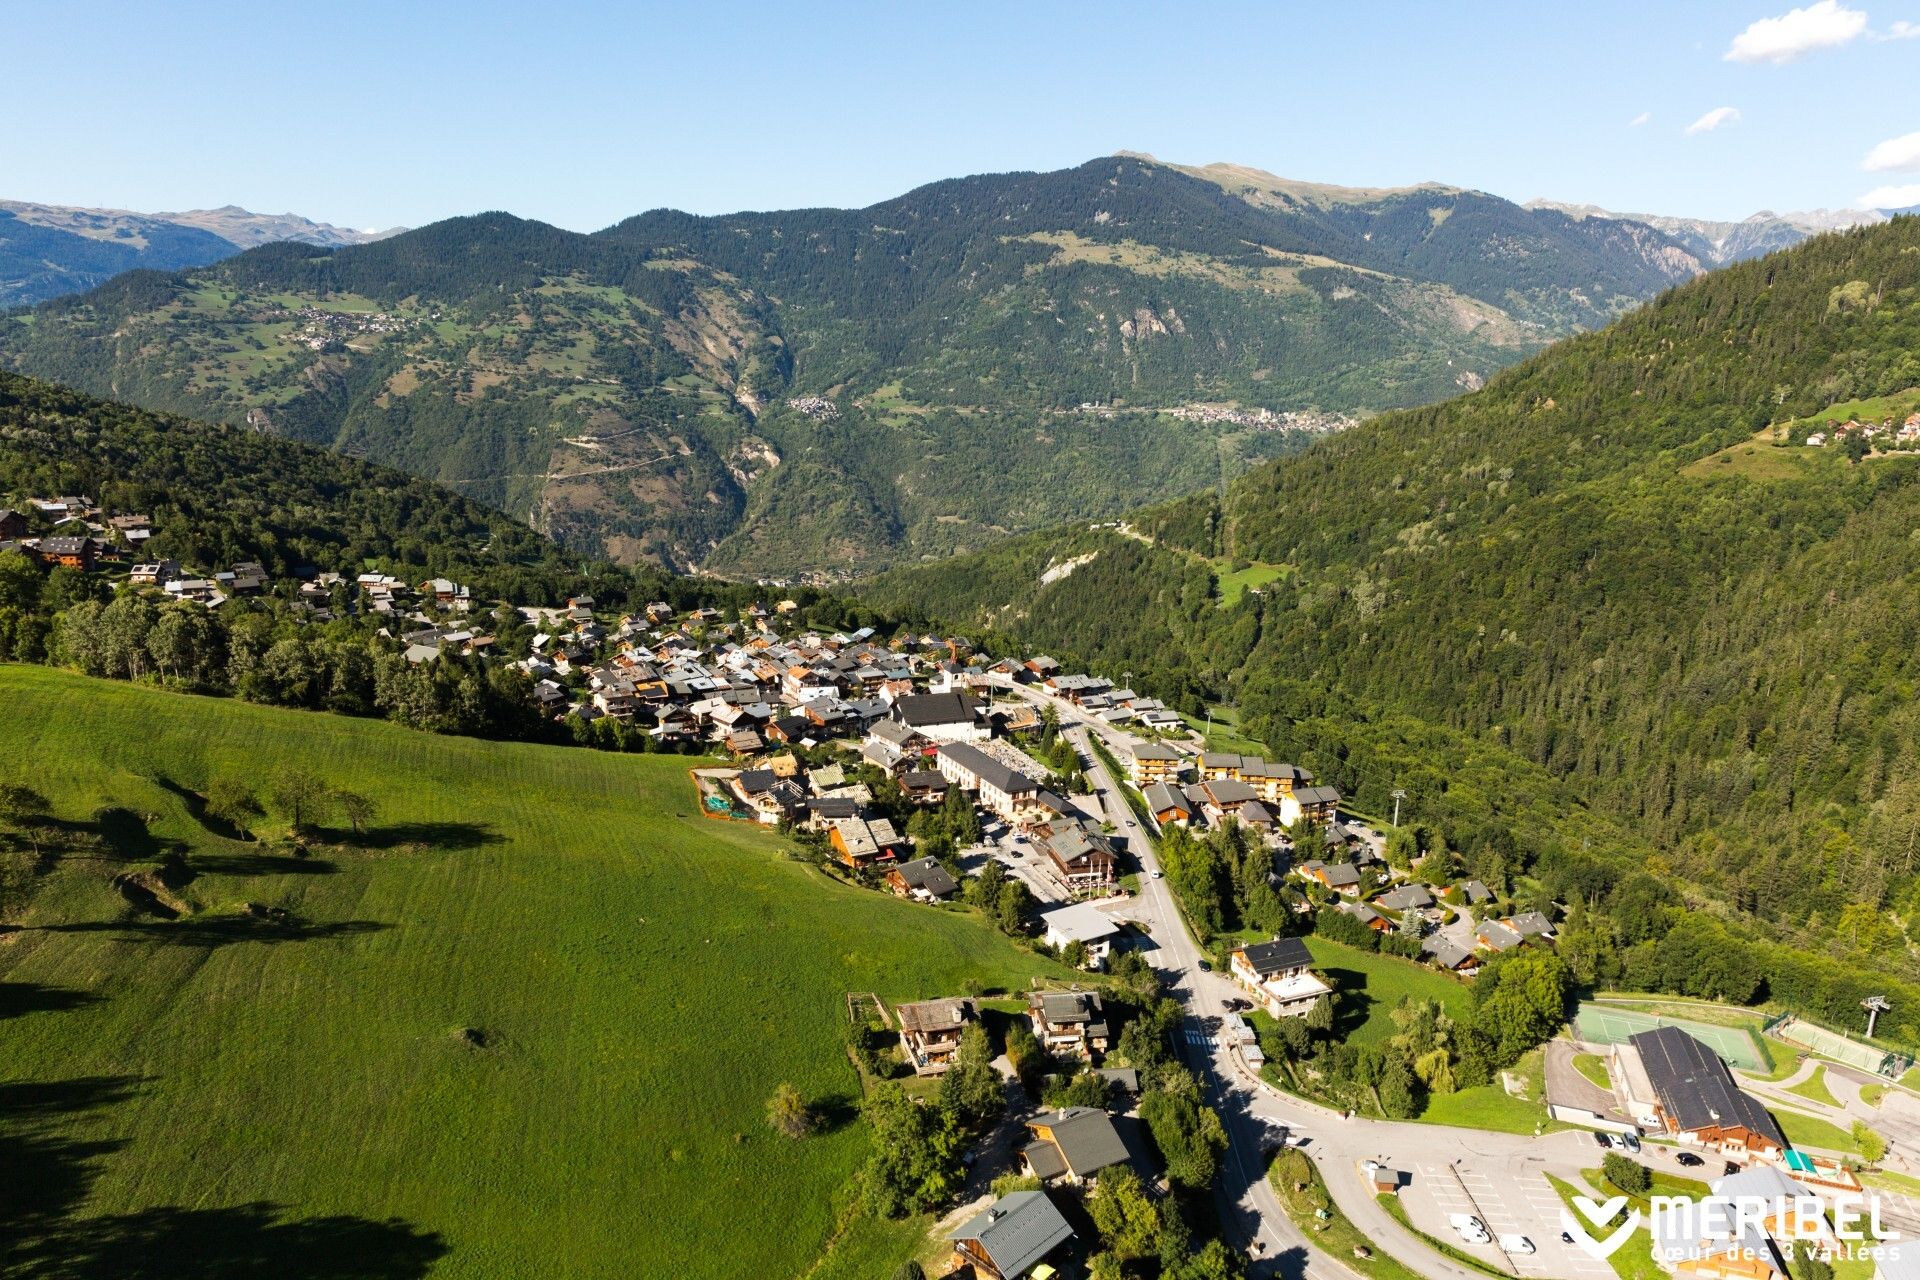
[1599, 1215]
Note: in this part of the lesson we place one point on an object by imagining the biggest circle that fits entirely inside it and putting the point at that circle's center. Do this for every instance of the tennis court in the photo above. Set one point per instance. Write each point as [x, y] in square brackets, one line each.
[1606, 1024]
[1840, 1048]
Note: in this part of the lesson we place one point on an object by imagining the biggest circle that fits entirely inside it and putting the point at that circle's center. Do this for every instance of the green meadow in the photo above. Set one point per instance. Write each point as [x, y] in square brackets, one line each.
[524, 1026]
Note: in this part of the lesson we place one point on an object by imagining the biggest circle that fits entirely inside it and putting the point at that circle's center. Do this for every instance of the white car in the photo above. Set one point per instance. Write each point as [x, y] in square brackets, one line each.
[1155, 873]
[1516, 1244]
[1471, 1229]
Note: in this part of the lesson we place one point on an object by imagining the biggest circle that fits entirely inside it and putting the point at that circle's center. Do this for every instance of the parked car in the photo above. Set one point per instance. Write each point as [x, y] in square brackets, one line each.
[1156, 874]
[1688, 1160]
[1471, 1229]
[1602, 1140]
[1516, 1243]
[1631, 1141]
[1566, 1237]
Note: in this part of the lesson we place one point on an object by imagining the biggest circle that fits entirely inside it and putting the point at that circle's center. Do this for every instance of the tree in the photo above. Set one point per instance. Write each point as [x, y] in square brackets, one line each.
[1074, 954]
[1122, 1213]
[909, 1270]
[1012, 906]
[1025, 1052]
[1320, 1017]
[231, 801]
[788, 1112]
[26, 811]
[1086, 1089]
[1397, 1095]
[971, 1088]
[1873, 1147]
[916, 1152]
[299, 796]
[1188, 1134]
[1627, 1175]
[357, 808]
[1520, 999]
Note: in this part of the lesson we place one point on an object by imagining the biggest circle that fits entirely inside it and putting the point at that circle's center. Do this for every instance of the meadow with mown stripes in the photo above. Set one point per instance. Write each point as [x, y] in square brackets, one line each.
[525, 1026]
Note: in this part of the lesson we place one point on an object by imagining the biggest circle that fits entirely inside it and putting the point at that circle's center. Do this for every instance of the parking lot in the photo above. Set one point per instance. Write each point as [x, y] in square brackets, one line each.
[1524, 1206]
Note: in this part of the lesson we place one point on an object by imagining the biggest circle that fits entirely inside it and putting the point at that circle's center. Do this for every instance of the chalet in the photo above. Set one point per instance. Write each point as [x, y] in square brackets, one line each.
[1476, 892]
[1072, 1145]
[1408, 897]
[1069, 1022]
[153, 574]
[69, 553]
[1083, 858]
[1002, 790]
[1341, 877]
[862, 842]
[1168, 805]
[1037, 669]
[1530, 924]
[1367, 916]
[924, 879]
[768, 795]
[1085, 924]
[1255, 816]
[1011, 1239]
[1449, 955]
[942, 717]
[1495, 936]
[930, 1032]
[1153, 763]
[1280, 977]
[923, 786]
[1674, 1084]
[12, 523]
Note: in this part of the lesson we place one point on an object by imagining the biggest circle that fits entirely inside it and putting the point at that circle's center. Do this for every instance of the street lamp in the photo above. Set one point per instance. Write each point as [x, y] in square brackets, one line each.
[1875, 1006]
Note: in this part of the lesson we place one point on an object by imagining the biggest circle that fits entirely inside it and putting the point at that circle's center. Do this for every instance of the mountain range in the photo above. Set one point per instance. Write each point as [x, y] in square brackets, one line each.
[825, 391]
[1716, 243]
[48, 250]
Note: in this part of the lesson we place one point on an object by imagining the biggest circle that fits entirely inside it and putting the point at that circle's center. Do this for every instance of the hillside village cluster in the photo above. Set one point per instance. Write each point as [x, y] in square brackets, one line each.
[1905, 434]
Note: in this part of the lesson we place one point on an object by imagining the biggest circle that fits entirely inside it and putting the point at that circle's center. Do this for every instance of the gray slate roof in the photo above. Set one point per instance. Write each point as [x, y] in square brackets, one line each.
[1085, 1138]
[1016, 1231]
[1696, 1089]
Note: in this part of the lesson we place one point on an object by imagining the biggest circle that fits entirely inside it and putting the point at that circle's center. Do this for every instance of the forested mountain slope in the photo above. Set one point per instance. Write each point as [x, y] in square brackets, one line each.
[816, 390]
[1615, 568]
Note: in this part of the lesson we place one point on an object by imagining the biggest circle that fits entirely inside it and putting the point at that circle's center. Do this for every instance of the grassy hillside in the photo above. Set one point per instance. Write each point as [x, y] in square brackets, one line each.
[631, 391]
[1591, 610]
[224, 1094]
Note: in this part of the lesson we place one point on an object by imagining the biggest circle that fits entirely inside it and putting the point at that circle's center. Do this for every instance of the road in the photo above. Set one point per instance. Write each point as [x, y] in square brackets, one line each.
[1252, 1111]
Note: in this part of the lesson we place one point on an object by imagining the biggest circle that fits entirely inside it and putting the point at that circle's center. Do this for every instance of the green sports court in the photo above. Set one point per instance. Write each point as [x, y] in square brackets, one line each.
[1610, 1024]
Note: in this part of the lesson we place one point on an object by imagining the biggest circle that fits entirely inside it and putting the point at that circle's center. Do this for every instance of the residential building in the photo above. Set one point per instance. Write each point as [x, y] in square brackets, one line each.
[1011, 1239]
[1072, 1145]
[930, 1032]
[1085, 924]
[863, 842]
[1082, 857]
[1168, 805]
[1002, 790]
[942, 717]
[1154, 762]
[1279, 975]
[1069, 1022]
[923, 879]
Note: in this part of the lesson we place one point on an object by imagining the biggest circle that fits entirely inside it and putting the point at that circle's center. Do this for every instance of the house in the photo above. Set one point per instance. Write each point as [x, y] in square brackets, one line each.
[1673, 1084]
[1495, 936]
[1341, 877]
[1085, 924]
[1069, 1022]
[923, 786]
[1408, 897]
[1072, 1145]
[1082, 857]
[942, 717]
[12, 523]
[70, 553]
[930, 1032]
[1367, 916]
[1004, 791]
[767, 794]
[1530, 924]
[1476, 892]
[1011, 1239]
[1280, 977]
[863, 842]
[924, 879]
[1153, 763]
[1168, 805]
[1449, 955]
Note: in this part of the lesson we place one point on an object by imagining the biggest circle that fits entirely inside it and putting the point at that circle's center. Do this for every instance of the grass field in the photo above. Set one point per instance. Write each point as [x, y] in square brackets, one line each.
[1335, 1234]
[1371, 985]
[1814, 1087]
[1594, 1068]
[1225, 734]
[1235, 583]
[1803, 1130]
[223, 1095]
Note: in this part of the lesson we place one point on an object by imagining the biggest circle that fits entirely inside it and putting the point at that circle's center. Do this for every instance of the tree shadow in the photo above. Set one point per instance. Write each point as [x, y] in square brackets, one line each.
[45, 1232]
[114, 833]
[196, 806]
[834, 1112]
[20, 998]
[1351, 1009]
[259, 864]
[270, 926]
[414, 835]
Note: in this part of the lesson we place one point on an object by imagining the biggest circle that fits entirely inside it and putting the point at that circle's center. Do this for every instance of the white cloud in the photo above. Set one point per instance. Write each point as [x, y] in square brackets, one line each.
[1895, 155]
[1899, 197]
[1640, 119]
[1899, 31]
[1714, 119]
[1822, 25]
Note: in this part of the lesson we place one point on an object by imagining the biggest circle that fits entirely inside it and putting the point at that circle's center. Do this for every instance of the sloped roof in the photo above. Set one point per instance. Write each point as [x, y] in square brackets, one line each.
[1695, 1088]
[1277, 956]
[1085, 1138]
[1016, 1231]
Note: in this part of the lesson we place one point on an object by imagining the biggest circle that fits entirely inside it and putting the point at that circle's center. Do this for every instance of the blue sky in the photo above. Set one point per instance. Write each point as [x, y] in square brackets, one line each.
[580, 114]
